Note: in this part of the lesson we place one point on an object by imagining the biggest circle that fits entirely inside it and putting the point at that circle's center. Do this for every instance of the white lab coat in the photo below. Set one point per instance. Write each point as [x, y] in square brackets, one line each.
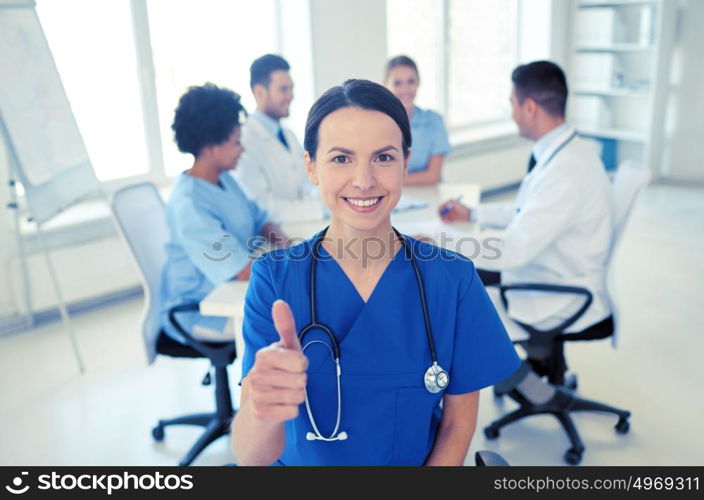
[274, 176]
[558, 231]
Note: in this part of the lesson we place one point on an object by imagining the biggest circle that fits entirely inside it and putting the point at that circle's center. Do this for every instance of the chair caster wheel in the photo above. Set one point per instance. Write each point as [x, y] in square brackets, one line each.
[573, 457]
[571, 382]
[491, 432]
[623, 426]
[158, 433]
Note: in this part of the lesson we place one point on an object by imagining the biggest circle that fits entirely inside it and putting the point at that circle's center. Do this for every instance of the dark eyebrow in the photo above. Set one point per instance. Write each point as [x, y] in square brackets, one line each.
[385, 148]
[341, 150]
[350, 152]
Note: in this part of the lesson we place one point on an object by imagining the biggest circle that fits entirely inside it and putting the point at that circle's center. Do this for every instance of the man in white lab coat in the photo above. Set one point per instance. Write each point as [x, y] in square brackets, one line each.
[271, 168]
[559, 229]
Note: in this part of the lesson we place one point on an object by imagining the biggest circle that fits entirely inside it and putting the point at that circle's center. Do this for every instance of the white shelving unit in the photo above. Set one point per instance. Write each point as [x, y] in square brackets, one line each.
[618, 65]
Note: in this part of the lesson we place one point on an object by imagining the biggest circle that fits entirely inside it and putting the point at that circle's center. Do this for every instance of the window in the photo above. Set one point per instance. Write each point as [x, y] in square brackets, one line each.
[194, 42]
[417, 33]
[481, 56]
[465, 50]
[97, 61]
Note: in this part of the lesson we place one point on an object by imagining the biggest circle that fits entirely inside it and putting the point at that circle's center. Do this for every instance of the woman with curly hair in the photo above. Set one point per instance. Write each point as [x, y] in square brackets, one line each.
[212, 223]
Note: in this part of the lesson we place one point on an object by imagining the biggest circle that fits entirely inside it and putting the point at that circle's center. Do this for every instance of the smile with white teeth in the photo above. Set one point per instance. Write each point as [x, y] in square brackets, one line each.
[363, 203]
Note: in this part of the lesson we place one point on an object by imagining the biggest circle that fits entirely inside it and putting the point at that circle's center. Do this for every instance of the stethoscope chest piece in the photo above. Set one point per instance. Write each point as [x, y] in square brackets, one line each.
[436, 379]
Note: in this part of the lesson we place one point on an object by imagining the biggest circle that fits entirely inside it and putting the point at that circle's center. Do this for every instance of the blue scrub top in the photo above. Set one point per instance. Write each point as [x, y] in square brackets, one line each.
[210, 230]
[429, 138]
[389, 416]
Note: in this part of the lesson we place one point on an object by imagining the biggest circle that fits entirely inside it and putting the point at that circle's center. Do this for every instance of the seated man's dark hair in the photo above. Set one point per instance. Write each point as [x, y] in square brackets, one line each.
[261, 69]
[544, 82]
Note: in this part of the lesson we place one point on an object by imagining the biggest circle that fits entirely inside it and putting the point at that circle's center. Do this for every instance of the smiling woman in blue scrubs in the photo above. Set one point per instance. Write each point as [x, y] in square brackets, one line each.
[210, 219]
[430, 142]
[399, 394]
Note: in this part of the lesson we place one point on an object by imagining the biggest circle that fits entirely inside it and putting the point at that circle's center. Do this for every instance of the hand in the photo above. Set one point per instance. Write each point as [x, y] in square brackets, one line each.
[453, 211]
[245, 273]
[274, 235]
[277, 381]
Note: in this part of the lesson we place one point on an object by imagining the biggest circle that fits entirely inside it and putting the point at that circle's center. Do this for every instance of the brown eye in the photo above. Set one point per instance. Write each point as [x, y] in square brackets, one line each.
[385, 158]
[341, 159]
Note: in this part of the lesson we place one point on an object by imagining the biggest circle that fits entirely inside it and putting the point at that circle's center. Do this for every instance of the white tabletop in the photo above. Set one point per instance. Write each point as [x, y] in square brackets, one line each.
[227, 299]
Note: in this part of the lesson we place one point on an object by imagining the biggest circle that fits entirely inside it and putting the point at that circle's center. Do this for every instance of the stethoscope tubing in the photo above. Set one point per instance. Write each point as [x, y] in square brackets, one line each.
[314, 324]
[433, 372]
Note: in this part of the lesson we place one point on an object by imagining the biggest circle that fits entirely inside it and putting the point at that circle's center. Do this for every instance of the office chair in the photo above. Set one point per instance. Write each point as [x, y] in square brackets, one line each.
[486, 458]
[140, 215]
[545, 348]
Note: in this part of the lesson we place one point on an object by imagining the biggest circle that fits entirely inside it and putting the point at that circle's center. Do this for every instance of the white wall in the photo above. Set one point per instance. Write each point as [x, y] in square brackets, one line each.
[296, 46]
[85, 271]
[490, 169]
[349, 40]
[683, 151]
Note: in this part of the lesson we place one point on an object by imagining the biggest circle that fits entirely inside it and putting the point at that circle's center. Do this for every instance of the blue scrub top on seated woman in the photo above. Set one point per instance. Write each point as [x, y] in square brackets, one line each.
[210, 227]
[388, 415]
[429, 138]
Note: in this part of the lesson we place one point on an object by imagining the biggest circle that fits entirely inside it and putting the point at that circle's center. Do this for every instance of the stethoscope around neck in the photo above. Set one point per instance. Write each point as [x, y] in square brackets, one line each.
[435, 379]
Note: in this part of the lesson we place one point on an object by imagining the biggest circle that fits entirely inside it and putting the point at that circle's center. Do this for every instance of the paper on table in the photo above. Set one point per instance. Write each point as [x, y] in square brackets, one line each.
[470, 241]
[470, 193]
[409, 203]
[440, 234]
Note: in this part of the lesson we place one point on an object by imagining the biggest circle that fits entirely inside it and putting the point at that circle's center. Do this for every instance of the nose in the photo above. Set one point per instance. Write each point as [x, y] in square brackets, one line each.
[364, 177]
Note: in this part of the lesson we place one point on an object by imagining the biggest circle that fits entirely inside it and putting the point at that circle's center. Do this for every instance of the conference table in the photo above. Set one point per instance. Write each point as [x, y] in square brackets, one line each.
[416, 215]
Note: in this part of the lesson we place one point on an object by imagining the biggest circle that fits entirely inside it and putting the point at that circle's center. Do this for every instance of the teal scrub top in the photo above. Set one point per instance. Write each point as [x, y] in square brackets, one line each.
[389, 416]
[429, 138]
[211, 229]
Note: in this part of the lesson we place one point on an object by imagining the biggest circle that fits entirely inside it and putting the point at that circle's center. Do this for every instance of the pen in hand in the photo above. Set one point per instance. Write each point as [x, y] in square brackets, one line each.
[448, 206]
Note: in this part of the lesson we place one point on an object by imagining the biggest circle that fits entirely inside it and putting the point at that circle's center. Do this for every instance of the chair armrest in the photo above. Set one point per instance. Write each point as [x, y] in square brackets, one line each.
[216, 355]
[486, 458]
[542, 287]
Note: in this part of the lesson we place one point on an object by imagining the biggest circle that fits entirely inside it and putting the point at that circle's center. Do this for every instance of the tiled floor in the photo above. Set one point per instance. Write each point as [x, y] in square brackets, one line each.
[52, 416]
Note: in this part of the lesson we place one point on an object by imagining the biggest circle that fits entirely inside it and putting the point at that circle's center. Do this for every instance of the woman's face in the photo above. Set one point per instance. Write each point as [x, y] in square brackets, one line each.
[403, 81]
[359, 167]
[227, 153]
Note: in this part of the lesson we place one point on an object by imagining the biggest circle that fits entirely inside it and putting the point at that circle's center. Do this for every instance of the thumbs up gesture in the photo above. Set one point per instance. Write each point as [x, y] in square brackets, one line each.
[277, 381]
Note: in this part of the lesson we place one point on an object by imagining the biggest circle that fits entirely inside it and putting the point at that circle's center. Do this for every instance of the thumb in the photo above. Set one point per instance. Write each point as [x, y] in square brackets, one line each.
[285, 325]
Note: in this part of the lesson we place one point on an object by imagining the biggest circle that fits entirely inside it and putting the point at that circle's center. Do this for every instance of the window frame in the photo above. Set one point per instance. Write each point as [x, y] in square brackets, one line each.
[485, 132]
[444, 57]
[146, 74]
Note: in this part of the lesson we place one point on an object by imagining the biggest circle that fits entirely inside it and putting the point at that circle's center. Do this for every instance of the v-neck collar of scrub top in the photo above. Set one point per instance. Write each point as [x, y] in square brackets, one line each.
[221, 187]
[326, 255]
[348, 292]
